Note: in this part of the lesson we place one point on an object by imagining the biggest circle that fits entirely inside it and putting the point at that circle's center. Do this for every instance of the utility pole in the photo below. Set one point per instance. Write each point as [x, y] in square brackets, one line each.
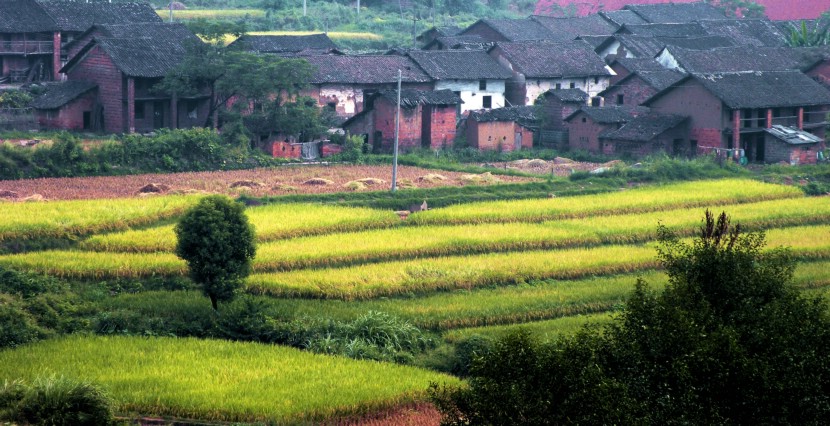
[304, 7]
[414, 35]
[171, 11]
[397, 130]
[358, 8]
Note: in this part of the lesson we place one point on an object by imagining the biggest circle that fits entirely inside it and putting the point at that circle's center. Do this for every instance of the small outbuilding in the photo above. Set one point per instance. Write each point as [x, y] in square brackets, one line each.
[791, 145]
[71, 105]
[502, 129]
[649, 134]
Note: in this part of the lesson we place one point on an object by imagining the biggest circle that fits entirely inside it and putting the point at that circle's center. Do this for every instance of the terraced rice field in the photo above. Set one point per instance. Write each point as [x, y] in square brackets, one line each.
[548, 265]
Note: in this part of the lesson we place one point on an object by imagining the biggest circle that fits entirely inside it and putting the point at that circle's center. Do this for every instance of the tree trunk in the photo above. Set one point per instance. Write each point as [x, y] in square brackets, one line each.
[214, 303]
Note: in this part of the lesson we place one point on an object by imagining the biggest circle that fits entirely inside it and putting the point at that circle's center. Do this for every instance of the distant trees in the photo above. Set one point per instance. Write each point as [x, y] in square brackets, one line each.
[218, 244]
[727, 341]
[743, 8]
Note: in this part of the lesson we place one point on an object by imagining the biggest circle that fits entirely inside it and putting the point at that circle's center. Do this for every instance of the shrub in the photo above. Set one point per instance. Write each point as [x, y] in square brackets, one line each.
[17, 327]
[55, 401]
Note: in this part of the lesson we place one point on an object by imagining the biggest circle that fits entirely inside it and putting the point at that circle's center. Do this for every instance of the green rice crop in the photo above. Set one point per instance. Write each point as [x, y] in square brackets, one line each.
[546, 330]
[215, 380]
[212, 13]
[80, 264]
[273, 221]
[651, 198]
[62, 219]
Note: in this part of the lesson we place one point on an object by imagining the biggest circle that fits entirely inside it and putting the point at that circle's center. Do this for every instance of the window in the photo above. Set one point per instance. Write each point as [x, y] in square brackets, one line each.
[139, 110]
[192, 110]
[487, 102]
[596, 80]
[596, 101]
[482, 85]
[573, 85]
[584, 120]
[558, 86]
[620, 99]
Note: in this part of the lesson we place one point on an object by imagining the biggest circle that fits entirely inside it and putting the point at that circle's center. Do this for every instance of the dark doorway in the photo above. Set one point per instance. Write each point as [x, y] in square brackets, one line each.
[158, 115]
[377, 141]
[87, 120]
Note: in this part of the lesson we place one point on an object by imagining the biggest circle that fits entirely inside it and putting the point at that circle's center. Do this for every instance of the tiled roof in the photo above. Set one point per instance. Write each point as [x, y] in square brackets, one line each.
[565, 29]
[143, 57]
[648, 47]
[760, 89]
[514, 29]
[568, 95]
[645, 127]
[736, 59]
[60, 94]
[775, 9]
[369, 69]
[411, 98]
[460, 42]
[554, 60]
[524, 114]
[284, 43]
[24, 16]
[686, 29]
[639, 64]
[676, 12]
[747, 32]
[80, 16]
[622, 17]
[661, 79]
[595, 41]
[610, 114]
[459, 65]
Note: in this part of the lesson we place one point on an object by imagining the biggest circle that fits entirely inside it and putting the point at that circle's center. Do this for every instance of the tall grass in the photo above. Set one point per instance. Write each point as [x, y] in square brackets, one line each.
[213, 380]
[645, 199]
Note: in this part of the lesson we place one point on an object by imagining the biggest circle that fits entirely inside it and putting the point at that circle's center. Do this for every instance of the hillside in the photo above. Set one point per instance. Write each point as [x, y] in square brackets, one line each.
[775, 9]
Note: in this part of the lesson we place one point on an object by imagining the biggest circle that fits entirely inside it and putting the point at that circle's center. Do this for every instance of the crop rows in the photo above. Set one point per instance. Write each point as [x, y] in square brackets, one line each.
[212, 13]
[222, 381]
[272, 222]
[60, 219]
[687, 194]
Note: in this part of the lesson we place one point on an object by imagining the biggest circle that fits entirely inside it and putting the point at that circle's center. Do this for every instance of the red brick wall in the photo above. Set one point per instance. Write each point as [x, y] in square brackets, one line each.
[71, 115]
[706, 113]
[622, 72]
[98, 67]
[441, 125]
[409, 135]
[286, 150]
[497, 135]
[584, 135]
[776, 151]
[634, 90]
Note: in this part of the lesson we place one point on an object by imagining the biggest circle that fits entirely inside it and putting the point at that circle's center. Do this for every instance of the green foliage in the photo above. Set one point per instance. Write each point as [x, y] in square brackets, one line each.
[728, 340]
[218, 244]
[14, 99]
[808, 35]
[17, 327]
[55, 400]
[741, 8]
[353, 149]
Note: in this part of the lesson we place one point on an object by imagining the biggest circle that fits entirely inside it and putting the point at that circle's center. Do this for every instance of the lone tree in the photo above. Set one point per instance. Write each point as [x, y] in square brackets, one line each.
[728, 341]
[217, 242]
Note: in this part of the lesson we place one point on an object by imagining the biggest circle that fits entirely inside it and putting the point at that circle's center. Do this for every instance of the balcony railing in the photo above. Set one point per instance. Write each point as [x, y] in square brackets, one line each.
[26, 47]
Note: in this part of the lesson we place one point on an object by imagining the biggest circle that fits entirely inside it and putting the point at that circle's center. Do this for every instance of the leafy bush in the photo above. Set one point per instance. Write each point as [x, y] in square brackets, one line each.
[15, 99]
[17, 327]
[55, 401]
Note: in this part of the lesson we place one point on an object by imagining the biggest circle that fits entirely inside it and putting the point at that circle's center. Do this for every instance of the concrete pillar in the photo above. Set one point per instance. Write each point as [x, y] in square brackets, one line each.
[131, 105]
[174, 112]
[56, 56]
[736, 128]
[769, 118]
[800, 118]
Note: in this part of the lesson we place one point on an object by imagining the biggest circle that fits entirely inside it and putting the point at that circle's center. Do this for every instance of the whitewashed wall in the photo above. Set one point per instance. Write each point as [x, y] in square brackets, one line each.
[471, 95]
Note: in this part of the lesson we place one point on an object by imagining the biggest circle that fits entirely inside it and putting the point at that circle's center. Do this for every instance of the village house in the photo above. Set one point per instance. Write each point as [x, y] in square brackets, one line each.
[472, 75]
[126, 70]
[463, 42]
[553, 107]
[622, 17]
[34, 34]
[733, 110]
[343, 82]
[622, 67]
[428, 36]
[647, 47]
[502, 129]
[506, 30]
[69, 105]
[541, 66]
[638, 86]
[587, 123]
[649, 134]
[565, 29]
[285, 44]
[746, 32]
[427, 120]
[667, 13]
[792, 146]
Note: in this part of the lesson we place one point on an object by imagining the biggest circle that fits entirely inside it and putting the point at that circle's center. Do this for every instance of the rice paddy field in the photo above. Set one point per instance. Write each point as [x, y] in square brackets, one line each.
[477, 269]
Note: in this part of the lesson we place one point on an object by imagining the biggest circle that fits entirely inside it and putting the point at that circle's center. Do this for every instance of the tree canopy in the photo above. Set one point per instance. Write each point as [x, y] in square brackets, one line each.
[728, 340]
[218, 244]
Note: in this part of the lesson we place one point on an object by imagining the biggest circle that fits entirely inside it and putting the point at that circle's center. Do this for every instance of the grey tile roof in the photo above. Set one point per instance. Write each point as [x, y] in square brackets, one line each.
[661, 79]
[771, 89]
[736, 59]
[645, 127]
[685, 29]
[459, 65]
[368, 69]
[513, 29]
[460, 42]
[747, 32]
[610, 114]
[554, 60]
[595, 41]
[622, 17]
[80, 16]
[648, 47]
[142, 57]
[676, 12]
[24, 16]
[565, 29]
[411, 98]
[639, 64]
[284, 43]
[568, 95]
[60, 94]
[525, 114]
